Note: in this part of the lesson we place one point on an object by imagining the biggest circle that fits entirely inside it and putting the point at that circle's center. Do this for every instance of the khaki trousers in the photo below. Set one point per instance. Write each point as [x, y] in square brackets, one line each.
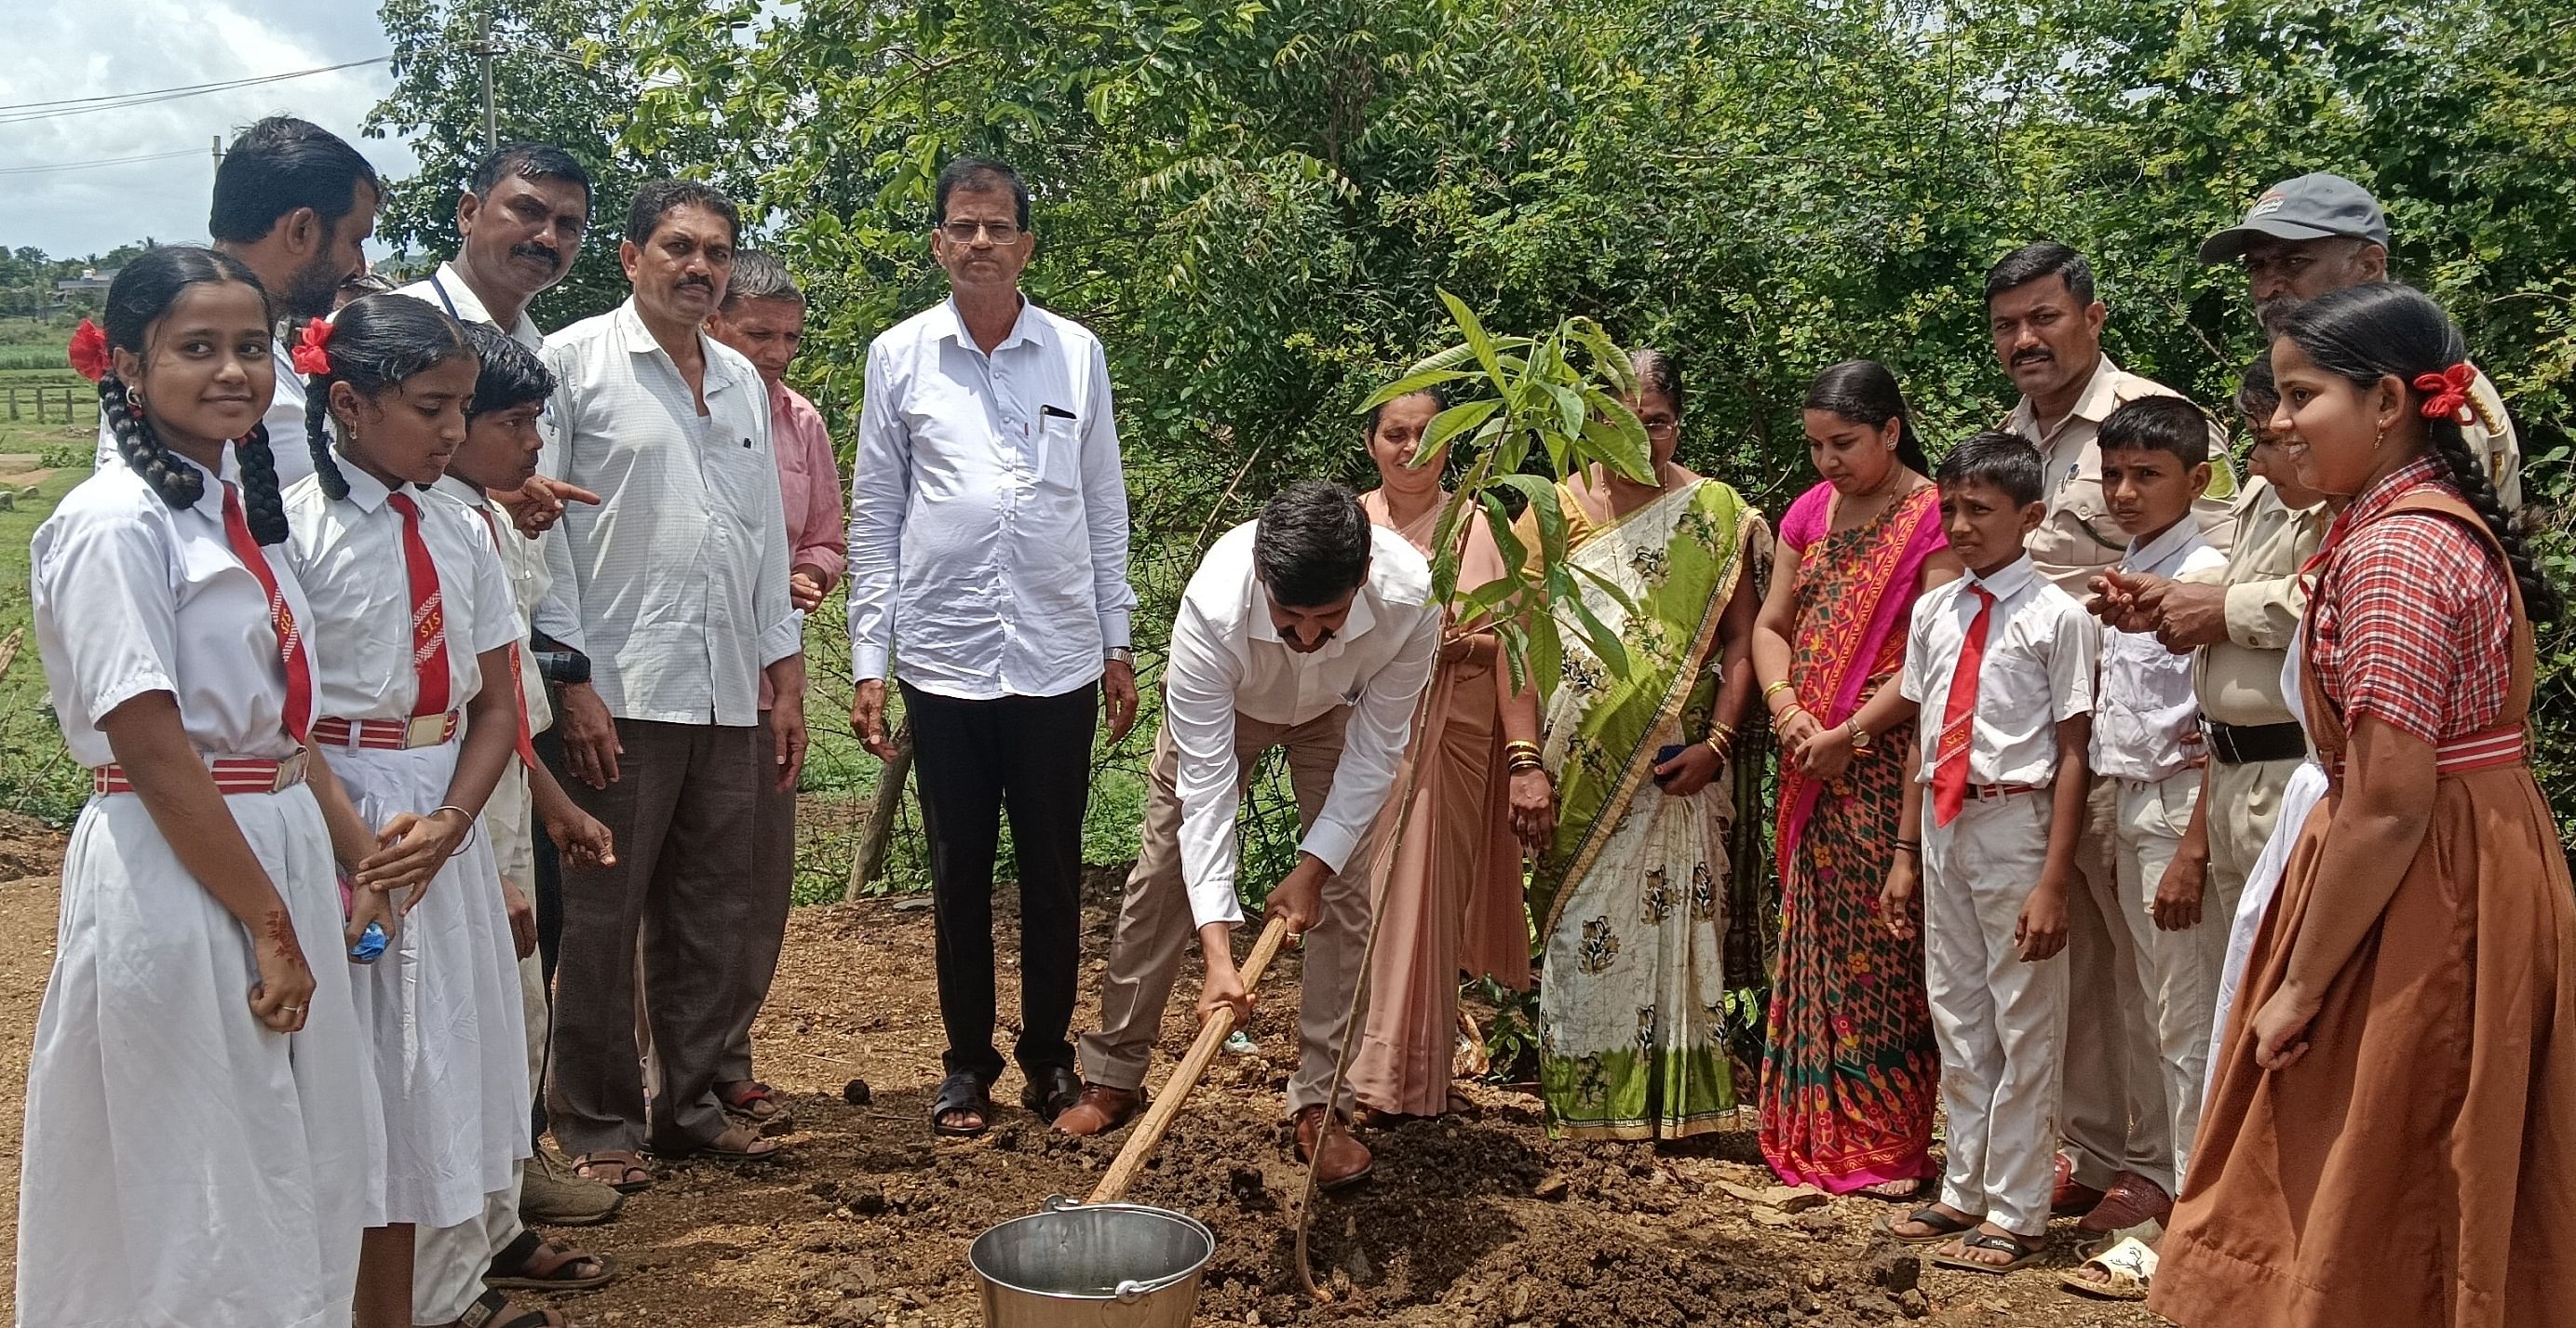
[2178, 969]
[2115, 1113]
[1155, 927]
[2244, 805]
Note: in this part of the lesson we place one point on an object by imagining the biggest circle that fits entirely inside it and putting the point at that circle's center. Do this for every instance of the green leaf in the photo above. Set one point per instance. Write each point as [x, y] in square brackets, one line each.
[1477, 340]
[1408, 385]
[1449, 423]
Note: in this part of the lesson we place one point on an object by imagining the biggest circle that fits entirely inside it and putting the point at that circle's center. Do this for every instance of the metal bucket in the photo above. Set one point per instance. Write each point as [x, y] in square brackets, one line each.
[1092, 1266]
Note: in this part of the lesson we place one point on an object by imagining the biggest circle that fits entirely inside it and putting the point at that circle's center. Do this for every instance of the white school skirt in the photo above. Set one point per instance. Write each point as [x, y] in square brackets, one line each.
[441, 1011]
[182, 1164]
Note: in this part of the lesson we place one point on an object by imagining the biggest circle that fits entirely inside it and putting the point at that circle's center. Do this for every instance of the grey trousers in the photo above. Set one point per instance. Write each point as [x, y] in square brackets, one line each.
[683, 812]
[1155, 928]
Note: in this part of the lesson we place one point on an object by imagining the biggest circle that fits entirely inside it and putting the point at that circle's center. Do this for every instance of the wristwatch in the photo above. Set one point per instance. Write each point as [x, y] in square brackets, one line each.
[1123, 654]
[1861, 737]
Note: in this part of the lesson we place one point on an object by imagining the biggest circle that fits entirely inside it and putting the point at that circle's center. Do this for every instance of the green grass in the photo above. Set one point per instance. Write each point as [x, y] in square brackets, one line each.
[37, 777]
[60, 443]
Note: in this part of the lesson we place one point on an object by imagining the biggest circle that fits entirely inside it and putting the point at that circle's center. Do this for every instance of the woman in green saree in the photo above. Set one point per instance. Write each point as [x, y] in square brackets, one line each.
[1630, 895]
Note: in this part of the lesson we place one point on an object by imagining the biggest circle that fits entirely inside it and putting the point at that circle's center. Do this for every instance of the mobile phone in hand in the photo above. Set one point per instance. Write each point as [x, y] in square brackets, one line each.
[1669, 751]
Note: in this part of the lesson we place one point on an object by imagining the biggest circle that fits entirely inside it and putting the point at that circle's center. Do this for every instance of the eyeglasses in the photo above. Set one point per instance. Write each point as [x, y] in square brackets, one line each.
[964, 232]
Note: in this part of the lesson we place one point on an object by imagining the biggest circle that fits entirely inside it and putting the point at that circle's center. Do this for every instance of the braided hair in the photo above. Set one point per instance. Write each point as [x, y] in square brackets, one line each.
[139, 297]
[374, 344]
[2366, 334]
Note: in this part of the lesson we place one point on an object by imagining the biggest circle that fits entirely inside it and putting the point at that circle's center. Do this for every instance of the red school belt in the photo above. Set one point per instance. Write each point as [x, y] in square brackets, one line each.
[233, 774]
[386, 735]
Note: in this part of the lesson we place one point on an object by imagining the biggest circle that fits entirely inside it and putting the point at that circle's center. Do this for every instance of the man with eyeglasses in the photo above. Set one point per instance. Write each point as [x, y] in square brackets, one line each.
[2317, 233]
[988, 575]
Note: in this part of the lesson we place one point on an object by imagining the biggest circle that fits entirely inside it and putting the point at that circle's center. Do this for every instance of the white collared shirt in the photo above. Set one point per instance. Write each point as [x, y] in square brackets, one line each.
[2146, 717]
[988, 510]
[523, 565]
[2078, 537]
[2037, 671]
[446, 288]
[1227, 659]
[348, 552]
[676, 584]
[133, 596]
[285, 421]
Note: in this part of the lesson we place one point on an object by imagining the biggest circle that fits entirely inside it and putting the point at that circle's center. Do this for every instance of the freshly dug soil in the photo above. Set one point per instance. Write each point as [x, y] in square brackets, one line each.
[1477, 1221]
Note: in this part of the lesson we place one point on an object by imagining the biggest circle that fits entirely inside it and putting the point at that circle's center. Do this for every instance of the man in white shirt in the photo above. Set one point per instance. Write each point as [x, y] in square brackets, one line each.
[520, 220]
[296, 204]
[988, 573]
[1310, 630]
[675, 587]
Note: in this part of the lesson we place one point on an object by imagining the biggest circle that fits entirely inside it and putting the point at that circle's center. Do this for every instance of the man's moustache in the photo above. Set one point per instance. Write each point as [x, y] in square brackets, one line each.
[552, 255]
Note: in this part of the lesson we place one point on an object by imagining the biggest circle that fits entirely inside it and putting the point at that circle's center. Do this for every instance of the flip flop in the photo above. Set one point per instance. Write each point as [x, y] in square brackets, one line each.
[519, 1255]
[627, 1164]
[1943, 1226]
[2126, 1269]
[2024, 1252]
[486, 1310]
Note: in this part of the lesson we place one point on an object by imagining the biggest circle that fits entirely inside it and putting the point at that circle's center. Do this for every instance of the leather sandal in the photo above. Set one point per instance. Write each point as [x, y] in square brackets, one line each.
[1343, 1162]
[755, 1104]
[516, 1267]
[486, 1310]
[2132, 1200]
[1100, 1109]
[1052, 1090]
[962, 1093]
[628, 1174]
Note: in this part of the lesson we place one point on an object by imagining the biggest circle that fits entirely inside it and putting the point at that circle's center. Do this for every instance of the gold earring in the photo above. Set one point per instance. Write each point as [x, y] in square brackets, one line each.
[2379, 440]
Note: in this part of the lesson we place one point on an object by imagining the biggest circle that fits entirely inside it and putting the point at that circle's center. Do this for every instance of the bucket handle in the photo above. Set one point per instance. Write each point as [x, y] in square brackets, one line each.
[1131, 1291]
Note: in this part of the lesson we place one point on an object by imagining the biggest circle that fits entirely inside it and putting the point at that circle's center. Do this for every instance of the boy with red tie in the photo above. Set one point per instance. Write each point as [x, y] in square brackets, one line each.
[2006, 660]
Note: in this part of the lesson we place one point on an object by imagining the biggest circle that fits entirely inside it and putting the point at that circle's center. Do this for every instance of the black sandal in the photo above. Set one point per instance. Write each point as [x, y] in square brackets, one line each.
[961, 1092]
[2024, 1252]
[1051, 1091]
[1943, 1226]
[486, 1309]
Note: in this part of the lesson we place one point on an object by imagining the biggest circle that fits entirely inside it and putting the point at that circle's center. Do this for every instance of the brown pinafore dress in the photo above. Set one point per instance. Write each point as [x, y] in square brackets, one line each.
[2418, 1165]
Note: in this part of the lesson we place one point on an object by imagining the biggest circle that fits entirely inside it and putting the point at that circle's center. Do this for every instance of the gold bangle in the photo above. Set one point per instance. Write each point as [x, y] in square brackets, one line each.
[1774, 690]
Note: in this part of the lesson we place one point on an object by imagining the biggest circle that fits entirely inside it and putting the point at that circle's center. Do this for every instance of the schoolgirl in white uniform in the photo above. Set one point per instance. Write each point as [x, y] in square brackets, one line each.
[417, 714]
[201, 1120]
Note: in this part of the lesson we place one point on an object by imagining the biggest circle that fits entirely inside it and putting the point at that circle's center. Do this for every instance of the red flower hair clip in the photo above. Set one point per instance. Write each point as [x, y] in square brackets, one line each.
[2447, 393]
[310, 359]
[89, 351]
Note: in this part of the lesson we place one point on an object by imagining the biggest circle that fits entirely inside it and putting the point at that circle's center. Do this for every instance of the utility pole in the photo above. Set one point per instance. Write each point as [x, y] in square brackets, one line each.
[491, 116]
[219, 151]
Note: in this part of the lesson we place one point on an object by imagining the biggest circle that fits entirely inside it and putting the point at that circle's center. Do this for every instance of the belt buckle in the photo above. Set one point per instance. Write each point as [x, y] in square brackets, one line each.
[290, 772]
[1990, 793]
[2220, 743]
[425, 731]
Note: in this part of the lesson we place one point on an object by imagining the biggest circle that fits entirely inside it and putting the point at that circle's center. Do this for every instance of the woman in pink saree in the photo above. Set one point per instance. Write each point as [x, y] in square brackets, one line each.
[1451, 900]
[1850, 1074]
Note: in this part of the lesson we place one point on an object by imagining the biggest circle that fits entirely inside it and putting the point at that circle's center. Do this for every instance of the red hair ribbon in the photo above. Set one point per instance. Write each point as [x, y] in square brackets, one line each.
[310, 358]
[89, 351]
[2447, 393]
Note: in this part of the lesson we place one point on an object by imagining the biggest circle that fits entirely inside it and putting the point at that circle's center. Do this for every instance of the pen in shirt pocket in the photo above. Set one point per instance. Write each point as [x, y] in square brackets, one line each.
[1055, 413]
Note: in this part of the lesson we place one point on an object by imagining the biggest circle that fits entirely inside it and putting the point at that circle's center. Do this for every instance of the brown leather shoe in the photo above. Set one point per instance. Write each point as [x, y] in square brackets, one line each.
[1100, 1109]
[1346, 1160]
[2131, 1200]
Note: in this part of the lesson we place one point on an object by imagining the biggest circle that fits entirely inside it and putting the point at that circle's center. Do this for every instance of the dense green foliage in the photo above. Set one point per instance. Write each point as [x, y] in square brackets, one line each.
[1255, 206]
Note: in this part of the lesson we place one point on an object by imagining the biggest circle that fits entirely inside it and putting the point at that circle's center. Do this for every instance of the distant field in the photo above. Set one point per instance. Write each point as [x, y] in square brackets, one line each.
[27, 427]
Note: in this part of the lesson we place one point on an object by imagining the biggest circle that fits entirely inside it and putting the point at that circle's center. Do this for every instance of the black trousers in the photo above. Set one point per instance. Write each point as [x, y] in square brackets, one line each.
[1030, 755]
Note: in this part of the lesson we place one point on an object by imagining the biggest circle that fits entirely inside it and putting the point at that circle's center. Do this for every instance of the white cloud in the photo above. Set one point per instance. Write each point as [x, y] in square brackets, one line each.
[160, 44]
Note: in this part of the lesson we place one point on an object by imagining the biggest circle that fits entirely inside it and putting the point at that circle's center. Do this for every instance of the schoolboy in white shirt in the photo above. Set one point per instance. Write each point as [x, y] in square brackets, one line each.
[2005, 660]
[2147, 743]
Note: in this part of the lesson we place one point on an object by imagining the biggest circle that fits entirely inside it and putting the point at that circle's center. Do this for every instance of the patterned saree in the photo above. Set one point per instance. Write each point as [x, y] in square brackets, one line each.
[1630, 896]
[1850, 1073]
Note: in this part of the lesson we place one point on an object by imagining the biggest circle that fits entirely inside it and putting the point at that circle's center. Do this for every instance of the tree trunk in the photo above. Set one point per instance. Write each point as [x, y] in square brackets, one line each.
[888, 805]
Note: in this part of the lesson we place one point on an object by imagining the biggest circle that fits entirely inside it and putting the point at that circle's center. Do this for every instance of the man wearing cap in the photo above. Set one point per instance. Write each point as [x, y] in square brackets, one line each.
[2318, 233]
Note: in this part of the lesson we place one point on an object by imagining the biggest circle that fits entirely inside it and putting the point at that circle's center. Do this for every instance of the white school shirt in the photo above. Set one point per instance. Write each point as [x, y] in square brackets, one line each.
[1227, 659]
[676, 584]
[2146, 715]
[285, 421]
[988, 510]
[133, 596]
[2037, 672]
[349, 554]
[523, 565]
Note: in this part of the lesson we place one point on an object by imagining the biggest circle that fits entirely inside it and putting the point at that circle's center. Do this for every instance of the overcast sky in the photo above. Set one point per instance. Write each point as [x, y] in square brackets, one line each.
[162, 44]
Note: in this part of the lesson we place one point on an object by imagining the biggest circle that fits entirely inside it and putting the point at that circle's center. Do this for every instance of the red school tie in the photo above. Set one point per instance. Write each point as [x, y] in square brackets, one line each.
[1959, 717]
[428, 616]
[290, 637]
[518, 680]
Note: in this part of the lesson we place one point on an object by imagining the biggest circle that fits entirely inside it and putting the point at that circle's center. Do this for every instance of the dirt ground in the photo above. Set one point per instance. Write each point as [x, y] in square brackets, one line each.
[1475, 1221]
